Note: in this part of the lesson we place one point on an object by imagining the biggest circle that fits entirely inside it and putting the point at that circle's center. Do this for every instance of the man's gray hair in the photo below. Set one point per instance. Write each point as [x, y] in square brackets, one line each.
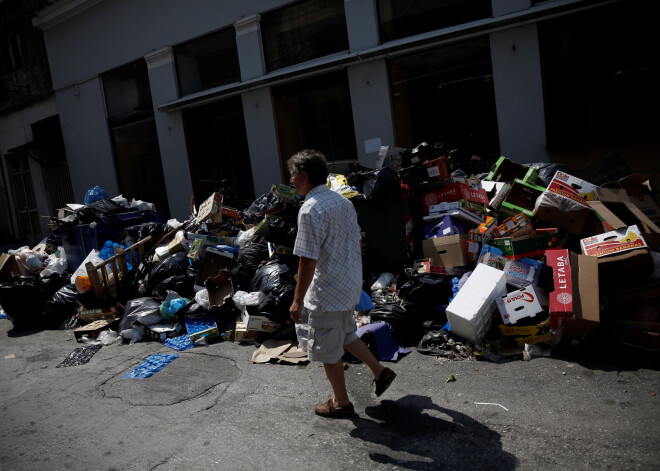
[311, 161]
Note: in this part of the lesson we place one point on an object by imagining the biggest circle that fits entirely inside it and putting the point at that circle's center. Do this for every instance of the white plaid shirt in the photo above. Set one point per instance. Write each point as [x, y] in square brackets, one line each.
[328, 232]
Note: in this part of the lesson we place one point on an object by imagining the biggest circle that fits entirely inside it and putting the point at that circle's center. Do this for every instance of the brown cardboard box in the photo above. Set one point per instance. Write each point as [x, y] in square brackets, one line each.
[586, 298]
[617, 202]
[93, 329]
[213, 262]
[220, 289]
[12, 264]
[448, 251]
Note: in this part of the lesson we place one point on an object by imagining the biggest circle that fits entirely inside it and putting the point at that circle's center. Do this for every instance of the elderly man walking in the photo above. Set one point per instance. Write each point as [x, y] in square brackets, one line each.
[329, 280]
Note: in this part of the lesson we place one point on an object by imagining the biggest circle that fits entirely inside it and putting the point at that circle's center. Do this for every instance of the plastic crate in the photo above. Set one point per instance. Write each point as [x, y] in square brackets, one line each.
[81, 239]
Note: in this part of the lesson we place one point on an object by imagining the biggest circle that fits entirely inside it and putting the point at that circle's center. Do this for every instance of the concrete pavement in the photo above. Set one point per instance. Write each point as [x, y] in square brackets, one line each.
[212, 408]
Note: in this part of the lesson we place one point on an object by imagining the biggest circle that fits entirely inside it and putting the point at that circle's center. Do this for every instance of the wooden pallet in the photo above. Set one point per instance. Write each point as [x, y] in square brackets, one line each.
[113, 272]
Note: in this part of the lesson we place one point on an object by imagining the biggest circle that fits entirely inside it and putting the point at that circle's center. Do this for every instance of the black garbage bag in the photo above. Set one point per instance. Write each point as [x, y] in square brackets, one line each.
[61, 306]
[437, 341]
[383, 184]
[359, 176]
[174, 265]
[139, 232]
[137, 310]
[403, 319]
[546, 171]
[250, 257]
[266, 203]
[94, 211]
[282, 231]
[23, 299]
[183, 284]
[276, 280]
[425, 290]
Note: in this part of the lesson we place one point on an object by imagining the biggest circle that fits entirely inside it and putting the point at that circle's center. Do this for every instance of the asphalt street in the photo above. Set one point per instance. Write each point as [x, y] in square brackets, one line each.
[595, 407]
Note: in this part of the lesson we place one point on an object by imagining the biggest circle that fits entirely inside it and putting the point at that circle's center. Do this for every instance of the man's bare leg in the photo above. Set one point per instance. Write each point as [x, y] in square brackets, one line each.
[359, 350]
[335, 374]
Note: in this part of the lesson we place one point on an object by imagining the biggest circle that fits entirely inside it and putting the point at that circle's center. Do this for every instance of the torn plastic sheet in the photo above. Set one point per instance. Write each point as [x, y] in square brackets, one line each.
[179, 343]
[80, 356]
[152, 365]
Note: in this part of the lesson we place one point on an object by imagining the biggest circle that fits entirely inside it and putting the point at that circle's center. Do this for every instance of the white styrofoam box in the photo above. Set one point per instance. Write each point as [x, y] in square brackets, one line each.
[471, 311]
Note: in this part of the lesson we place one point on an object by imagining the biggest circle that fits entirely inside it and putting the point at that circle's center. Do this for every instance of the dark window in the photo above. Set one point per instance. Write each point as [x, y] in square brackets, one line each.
[600, 72]
[303, 31]
[316, 113]
[134, 135]
[446, 95]
[127, 93]
[207, 62]
[218, 151]
[399, 19]
[12, 53]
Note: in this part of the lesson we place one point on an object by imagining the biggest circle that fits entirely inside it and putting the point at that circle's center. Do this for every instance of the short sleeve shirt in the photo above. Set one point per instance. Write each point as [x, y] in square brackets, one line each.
[328, 232]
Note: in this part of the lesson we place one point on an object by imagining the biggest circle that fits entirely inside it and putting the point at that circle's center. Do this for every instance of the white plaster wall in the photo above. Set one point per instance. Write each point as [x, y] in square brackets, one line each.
[519, 94]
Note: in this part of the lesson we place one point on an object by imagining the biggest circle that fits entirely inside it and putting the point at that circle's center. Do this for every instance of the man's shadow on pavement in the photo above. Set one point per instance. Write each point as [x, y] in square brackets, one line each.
[455, 442]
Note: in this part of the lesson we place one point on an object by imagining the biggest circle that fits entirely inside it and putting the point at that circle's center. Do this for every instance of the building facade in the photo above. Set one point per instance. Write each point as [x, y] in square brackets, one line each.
[161, 100]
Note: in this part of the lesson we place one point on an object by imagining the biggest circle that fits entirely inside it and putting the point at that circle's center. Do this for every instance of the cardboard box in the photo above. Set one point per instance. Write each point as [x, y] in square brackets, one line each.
[618, 202]
[258, 323]
[521, 303]
[242, 334]
[12, 264]
[573, 217]
[530, 335]
[523, 273]
[506, 170]
[585, 298]
[520, 199]
[613, 242]
[93, 329]
[461, 210]
[220, 288]
[638, 188]
[532, 245]
[515, 226]
[200, 326]
[214, 261]
[455, 192]
[446, 225]
[561, 298]
[573, 188]
[449, 251]
[431, 170]
[211, 209]
[470, 312]
[475, 242]
[91, 315]
[425, 265]
[162, 332]
[492, 256]
[497, 192]
[624, 270]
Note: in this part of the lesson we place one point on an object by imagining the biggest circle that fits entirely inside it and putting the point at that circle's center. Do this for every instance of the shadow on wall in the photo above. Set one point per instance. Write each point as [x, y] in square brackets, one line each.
[441, 438]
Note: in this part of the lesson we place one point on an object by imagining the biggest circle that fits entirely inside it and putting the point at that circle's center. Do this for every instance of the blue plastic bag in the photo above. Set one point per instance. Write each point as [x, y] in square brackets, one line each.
[95, 194]
[365, 303]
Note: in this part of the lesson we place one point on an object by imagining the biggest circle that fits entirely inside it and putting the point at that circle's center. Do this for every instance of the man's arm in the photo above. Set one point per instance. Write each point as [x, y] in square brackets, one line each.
[306, 268]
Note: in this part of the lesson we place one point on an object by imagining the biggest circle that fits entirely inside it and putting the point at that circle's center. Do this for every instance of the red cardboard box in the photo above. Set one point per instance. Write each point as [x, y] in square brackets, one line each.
[454, 192]
[613, 242]
[561, 299]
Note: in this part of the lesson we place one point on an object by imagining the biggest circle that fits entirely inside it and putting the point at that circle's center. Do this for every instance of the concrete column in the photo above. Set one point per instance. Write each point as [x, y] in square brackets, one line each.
[362, 23]
[519, 94]
[87, 138]
[262, 139]
[250, 50]
[372, 115]
[171, 138]
[504, 7]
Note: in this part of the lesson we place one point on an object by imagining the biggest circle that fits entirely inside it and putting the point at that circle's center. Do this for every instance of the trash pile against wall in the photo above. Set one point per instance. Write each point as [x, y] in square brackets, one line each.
[460, 259]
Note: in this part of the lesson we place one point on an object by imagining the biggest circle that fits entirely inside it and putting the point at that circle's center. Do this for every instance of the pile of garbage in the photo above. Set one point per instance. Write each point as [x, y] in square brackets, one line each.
[498, 260]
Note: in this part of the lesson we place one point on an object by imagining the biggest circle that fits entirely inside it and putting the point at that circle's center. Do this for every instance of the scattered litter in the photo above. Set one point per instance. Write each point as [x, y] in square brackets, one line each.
[491, 404]
[151, 366]
[80, 356]
[451, 378]
[9, 357]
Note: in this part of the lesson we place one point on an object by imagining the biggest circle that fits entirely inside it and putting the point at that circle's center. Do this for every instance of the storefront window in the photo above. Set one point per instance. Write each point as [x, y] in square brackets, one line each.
[207, 62]
[134, 135]
[600, 72]
[218, 152]
[399, 19]
[303, 31]
[316, 114]
[446, 95]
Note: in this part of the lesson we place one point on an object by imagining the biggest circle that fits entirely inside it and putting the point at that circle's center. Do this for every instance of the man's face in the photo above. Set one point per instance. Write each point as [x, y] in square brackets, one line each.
[299, 181]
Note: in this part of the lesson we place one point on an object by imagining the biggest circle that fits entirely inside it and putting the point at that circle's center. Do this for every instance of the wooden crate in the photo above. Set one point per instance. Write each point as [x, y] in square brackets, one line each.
[113, 272]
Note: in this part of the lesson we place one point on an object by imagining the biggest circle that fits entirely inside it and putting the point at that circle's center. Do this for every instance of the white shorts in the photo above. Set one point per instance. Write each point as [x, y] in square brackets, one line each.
[328, 333]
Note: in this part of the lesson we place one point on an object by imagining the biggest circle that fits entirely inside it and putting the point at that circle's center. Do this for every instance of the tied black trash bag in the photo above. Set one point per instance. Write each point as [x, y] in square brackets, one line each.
[425, 290]
[403, 319]
[276, 280]
[173, 274]
[267, 203]
[282, 231]
[139, 232]
[94, 211]
[250, 257]
[382, 185]
[23, 299]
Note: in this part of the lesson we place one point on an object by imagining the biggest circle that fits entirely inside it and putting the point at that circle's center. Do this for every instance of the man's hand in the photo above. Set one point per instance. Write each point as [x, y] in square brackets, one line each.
[306, 268]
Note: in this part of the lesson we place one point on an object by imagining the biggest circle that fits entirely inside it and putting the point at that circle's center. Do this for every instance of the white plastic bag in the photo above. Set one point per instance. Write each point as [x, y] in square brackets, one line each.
[93, 257]
[202, 298]
[55, 263]
[108, 337]
[242, 299]
[383, 281]
[142, 205]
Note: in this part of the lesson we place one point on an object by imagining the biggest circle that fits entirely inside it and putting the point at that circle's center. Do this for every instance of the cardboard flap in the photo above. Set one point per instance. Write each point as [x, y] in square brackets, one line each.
[586, 294]
[618, 201]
